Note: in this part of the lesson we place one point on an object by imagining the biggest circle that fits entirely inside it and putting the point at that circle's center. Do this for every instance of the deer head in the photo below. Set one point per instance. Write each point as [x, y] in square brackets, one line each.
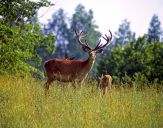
[99, 47]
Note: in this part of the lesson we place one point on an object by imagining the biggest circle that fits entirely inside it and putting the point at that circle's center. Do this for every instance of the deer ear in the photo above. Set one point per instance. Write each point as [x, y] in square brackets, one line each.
[86, 49]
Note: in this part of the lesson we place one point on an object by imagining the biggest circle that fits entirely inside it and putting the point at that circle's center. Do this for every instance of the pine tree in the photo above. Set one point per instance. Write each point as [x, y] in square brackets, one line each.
[58, 26]
[83, 21]
[124, 34]
[154, 30]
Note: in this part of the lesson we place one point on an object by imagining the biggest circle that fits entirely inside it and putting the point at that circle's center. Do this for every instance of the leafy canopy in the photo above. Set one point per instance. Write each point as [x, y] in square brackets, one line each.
[20, 38]
[137, 57]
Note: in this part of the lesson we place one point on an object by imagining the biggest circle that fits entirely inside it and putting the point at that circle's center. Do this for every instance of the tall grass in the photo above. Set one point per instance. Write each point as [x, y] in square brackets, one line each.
[24, 105]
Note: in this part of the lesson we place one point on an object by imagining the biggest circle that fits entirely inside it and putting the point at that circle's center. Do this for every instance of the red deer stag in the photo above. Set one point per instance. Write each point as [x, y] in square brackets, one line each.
[66, 70]
[106, 83]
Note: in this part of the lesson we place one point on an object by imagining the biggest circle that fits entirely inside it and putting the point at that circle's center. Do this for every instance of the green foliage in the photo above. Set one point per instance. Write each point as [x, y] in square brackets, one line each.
[19, 46]
[17, 12]
[24, 105]
[154, 67]
[134, 57]
[19, 39]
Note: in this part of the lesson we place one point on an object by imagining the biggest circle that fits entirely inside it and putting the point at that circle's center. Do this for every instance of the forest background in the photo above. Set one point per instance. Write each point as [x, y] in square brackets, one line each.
[25, 45]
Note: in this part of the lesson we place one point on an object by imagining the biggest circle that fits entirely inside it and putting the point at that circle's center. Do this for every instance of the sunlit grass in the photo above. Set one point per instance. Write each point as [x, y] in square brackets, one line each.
[24, 105]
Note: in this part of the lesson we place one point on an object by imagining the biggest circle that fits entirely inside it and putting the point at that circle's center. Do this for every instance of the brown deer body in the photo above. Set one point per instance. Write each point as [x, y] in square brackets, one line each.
[106, 83]
[66, 70]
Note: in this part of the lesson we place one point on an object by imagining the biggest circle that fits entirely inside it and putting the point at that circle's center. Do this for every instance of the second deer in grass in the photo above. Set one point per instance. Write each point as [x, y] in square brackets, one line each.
[106, 83]
[66, 70]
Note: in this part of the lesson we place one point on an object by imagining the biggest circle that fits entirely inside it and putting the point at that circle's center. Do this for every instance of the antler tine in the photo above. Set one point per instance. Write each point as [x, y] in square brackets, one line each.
[98, 45]
[80, 36]
[108, 39]
[87, 43]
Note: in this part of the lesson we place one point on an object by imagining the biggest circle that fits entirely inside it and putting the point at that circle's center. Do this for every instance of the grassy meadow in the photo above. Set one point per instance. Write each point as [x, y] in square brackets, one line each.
[24, 105]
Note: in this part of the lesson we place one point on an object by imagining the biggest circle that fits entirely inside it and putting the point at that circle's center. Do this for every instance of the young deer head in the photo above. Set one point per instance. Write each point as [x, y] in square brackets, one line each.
[67, 70]
[106, 83]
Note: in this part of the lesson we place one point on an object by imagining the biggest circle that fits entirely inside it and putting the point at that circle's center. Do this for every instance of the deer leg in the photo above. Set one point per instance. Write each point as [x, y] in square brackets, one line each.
[110, 85]
[74, 84]
[47, 84]
[103, 90]
[106, 89]
[81, 85]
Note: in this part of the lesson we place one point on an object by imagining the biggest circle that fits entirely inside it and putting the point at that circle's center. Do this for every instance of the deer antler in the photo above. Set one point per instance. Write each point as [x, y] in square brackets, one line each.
[107, 38]
[80, 36]
[99, 47]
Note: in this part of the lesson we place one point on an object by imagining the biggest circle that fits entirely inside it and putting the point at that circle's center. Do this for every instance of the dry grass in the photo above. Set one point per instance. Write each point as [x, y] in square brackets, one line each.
[24, 105]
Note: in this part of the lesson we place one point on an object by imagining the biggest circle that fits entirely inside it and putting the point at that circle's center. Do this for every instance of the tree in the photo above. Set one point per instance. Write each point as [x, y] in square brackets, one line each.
[82, 20]
[16, 12]
[154, 30]
[19, 38]
[124, 34]
[58, 26]
[154, 55]
[135, 58]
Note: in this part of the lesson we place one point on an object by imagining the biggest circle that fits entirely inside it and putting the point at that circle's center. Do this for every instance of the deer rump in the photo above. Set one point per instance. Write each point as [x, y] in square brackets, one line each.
[65, 71]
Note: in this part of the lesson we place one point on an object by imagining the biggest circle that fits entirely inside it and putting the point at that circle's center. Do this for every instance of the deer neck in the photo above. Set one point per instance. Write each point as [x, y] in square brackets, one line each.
[89, 63]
